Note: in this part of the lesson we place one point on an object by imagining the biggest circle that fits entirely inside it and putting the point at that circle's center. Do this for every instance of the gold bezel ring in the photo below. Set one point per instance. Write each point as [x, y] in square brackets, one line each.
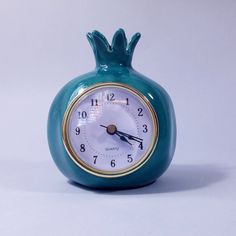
[101, 173]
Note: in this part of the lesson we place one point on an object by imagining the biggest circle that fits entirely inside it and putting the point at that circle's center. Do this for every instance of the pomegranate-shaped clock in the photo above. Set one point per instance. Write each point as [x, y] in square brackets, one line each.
[112, 128]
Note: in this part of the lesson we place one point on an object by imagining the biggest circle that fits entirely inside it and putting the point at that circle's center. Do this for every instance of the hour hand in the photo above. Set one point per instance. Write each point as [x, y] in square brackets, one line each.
[111, 129]
[123, 138]
[131, 137]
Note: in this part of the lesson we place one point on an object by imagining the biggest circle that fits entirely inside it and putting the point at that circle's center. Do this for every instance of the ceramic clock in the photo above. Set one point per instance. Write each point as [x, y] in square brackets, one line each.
[112, 128]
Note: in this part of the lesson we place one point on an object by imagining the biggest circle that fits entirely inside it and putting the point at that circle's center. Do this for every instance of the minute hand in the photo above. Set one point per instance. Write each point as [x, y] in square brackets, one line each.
[130, 136]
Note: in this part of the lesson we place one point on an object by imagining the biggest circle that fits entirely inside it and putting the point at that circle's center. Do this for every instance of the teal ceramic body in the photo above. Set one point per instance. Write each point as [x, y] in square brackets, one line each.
[113, 64]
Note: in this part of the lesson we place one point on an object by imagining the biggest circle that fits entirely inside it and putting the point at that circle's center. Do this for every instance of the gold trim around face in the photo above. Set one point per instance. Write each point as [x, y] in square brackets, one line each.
[88, 168]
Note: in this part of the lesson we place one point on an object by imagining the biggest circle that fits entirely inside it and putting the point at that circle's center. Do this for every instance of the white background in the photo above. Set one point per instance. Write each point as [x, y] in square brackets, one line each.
[189, 47]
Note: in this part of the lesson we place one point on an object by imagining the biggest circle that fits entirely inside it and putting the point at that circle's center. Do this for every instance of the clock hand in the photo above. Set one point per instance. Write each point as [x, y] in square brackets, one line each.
[111, 129]
[103, 126]
[123, 138]
[131, 137]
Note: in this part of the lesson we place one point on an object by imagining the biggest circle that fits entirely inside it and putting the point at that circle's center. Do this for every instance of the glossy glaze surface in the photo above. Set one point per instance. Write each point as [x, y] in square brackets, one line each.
[113, 64]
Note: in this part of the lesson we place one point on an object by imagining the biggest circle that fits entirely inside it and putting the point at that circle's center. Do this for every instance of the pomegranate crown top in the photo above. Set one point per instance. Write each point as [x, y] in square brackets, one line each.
[119, 52]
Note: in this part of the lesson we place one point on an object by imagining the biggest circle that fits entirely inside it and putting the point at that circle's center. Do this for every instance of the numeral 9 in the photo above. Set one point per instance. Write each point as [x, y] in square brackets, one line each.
[77, 130]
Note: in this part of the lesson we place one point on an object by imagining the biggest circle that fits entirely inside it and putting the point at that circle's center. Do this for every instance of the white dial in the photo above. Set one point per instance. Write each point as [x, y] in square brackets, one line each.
[110, 129]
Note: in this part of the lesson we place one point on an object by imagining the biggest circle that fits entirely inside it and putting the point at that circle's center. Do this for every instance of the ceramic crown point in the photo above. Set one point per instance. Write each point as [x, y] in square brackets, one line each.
[119, 52]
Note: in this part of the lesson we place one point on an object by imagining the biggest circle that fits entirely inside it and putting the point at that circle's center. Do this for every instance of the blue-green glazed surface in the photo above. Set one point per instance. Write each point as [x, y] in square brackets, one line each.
[113, 64]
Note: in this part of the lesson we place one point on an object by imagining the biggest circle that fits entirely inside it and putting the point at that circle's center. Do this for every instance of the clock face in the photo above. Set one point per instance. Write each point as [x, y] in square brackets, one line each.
[110, 130]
